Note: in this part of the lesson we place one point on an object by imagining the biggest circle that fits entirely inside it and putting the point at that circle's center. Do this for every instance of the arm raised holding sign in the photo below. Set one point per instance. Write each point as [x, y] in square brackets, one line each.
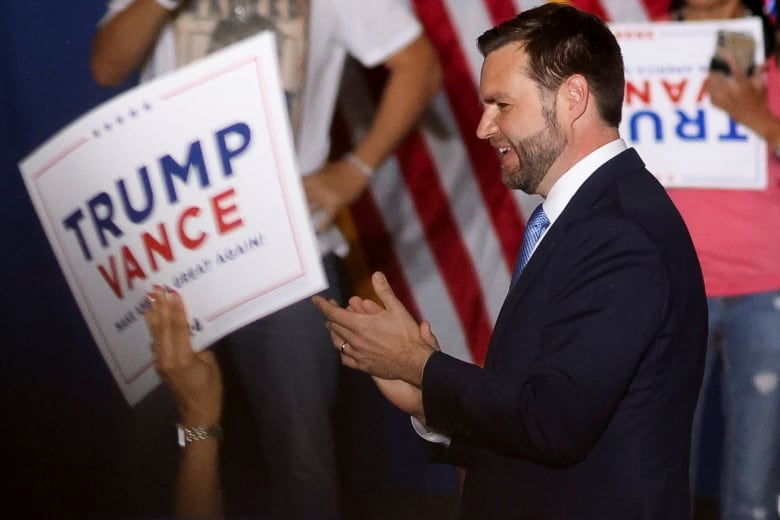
[196, 384]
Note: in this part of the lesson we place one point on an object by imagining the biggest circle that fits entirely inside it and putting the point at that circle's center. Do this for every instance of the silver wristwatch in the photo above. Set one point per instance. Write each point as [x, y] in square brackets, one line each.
[188, 434]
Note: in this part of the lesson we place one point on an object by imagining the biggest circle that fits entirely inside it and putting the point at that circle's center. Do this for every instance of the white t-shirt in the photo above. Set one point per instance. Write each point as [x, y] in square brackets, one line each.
[370, 30]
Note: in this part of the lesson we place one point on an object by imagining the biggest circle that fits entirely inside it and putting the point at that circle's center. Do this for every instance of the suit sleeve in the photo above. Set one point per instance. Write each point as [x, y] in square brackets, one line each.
[603, 295]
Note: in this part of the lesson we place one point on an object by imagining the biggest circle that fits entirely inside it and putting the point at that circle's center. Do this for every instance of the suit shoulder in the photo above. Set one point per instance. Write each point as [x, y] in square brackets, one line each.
[644, 200]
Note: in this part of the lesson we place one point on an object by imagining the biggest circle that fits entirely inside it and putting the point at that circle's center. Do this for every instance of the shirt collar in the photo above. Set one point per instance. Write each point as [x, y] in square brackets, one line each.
[568, 184]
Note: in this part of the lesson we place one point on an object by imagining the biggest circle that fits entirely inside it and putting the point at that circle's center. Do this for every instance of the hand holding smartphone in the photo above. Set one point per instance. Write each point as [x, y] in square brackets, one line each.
[740, 46]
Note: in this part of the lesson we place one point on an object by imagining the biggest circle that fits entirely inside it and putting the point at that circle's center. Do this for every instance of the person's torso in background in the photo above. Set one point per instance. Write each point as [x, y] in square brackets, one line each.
[737, 232]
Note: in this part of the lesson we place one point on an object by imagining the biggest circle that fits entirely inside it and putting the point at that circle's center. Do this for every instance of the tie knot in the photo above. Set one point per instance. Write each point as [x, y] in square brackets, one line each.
[537, 220]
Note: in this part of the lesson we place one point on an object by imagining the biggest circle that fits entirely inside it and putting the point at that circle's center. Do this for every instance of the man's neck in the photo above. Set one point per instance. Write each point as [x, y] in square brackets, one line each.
[579, 147]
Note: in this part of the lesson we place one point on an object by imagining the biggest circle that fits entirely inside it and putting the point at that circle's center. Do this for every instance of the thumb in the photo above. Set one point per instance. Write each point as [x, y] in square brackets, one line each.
[428, 336]
[384, 291]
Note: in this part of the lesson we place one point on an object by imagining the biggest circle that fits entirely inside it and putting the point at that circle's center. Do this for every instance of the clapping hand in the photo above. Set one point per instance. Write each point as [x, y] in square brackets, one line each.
[384, 341]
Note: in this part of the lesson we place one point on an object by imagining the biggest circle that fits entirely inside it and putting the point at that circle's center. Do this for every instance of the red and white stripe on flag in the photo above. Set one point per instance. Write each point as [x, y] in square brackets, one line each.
[438, 220]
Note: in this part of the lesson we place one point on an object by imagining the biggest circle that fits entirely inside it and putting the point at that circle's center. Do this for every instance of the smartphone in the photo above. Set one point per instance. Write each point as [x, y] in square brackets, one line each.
[742, 46]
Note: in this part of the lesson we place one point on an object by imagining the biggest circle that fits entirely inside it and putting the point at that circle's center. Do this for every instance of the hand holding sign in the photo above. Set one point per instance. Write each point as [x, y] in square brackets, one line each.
[187, 181]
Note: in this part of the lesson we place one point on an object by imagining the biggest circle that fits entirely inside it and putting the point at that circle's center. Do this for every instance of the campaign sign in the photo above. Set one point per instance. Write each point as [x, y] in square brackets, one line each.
[190, 182]
[667, 114]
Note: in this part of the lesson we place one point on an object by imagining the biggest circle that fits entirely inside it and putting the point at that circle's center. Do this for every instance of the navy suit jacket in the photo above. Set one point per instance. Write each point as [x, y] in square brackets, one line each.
[584, 407]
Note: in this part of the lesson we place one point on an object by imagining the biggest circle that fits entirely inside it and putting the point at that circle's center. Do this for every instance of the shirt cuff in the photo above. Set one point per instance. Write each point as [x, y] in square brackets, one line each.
[430, 435]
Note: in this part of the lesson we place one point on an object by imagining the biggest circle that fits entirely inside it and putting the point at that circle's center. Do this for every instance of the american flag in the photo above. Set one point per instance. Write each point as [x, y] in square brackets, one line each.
[438, 219]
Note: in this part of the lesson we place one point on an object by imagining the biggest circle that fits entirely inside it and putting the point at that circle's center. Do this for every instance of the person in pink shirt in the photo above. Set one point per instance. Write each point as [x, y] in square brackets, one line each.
[737, 238]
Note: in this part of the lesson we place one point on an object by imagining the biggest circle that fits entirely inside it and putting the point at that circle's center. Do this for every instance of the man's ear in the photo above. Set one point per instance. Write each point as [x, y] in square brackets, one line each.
[574, 94]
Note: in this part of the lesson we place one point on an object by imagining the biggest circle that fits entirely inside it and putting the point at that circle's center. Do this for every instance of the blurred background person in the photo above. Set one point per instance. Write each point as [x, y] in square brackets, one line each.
[737, 238]
[287, 370]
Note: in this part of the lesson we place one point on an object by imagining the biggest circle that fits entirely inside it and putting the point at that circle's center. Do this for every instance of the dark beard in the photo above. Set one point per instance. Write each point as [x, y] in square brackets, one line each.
[536, 154]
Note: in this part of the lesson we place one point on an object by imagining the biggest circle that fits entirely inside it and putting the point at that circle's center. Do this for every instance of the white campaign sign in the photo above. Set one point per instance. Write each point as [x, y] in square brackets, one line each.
[667, 115]
[187, 181]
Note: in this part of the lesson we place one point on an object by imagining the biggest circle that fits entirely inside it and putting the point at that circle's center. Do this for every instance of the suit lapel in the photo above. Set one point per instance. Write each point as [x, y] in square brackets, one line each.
[514, 297]
[581, 203]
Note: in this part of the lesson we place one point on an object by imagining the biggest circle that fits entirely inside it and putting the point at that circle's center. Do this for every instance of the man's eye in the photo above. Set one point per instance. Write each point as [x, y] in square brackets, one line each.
[502, 106]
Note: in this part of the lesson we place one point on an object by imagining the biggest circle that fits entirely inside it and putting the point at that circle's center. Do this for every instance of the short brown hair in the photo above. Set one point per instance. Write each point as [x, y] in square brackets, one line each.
[560, 41]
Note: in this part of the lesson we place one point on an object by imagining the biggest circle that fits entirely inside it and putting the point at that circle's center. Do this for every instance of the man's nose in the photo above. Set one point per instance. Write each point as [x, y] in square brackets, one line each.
[486, 127]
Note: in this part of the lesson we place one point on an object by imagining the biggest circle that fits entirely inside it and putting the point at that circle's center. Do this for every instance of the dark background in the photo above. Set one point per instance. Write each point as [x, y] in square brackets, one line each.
[60, 402]
[65, 422]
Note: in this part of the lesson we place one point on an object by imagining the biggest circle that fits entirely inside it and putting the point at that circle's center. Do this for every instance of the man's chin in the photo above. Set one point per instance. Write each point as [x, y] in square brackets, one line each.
[510, 175]
[514, 181]
[507, 179]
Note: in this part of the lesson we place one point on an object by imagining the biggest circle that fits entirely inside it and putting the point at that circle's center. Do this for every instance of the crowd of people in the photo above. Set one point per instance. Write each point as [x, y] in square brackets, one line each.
[589, 404]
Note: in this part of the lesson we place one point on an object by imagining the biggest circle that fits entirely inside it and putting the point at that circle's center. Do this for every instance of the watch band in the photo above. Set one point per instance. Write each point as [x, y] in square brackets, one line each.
[188, 434]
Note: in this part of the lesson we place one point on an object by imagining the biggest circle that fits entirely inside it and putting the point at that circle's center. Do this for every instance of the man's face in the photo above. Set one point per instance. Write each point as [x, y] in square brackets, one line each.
[518, 120]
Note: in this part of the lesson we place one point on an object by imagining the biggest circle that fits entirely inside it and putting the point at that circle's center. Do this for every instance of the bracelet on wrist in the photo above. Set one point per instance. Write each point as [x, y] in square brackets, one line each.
[170, 5]
[355, 161]
[188, 434]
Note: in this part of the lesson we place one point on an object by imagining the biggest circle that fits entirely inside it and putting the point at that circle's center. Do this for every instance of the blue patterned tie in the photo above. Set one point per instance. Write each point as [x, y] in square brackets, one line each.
[533, 230]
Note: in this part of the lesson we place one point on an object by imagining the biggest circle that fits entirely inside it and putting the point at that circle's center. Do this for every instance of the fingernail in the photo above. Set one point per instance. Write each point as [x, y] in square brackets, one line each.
[168, 292]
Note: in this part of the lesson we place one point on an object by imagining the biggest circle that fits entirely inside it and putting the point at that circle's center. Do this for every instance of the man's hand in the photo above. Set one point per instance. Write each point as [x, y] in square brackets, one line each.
[194, 378]
[337, 185]
[406, 397]
[386, 343]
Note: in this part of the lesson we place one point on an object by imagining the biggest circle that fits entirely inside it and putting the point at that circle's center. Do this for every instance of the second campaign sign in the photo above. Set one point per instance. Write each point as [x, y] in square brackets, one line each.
[667, 115]
[188, 181]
